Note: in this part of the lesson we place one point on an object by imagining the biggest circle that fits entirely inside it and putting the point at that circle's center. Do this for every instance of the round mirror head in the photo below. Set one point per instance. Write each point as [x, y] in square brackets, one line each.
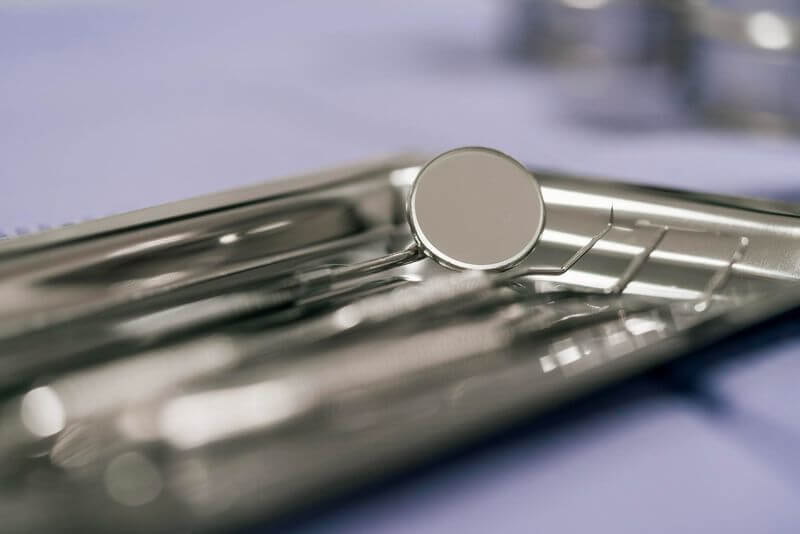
[476, 208]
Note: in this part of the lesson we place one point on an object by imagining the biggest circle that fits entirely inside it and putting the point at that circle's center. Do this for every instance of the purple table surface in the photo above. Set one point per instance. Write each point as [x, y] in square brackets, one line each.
[112, 106]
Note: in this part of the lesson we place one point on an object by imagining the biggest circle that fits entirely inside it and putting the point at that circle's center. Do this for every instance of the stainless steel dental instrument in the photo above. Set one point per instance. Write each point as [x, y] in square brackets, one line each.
[223, 360]
[496, 218]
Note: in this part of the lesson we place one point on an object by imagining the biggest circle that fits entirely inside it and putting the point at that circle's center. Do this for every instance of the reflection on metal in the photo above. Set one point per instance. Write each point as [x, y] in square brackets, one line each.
[646, 63]
[220, 360]
[585, 4]
[768, 30]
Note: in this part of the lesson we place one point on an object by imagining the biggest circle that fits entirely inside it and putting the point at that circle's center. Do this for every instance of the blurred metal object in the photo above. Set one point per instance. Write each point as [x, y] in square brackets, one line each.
[226, 359]
[745, 62]
[617, 62]
[635, 63]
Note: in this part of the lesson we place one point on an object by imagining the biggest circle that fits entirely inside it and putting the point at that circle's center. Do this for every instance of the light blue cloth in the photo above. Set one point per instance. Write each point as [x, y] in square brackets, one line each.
[113, 106]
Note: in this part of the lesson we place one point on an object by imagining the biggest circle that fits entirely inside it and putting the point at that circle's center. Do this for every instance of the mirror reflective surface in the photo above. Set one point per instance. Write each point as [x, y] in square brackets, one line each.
[476, 208]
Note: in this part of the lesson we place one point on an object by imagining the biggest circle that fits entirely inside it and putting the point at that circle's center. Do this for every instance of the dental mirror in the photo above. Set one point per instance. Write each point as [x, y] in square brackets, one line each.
[476, 208]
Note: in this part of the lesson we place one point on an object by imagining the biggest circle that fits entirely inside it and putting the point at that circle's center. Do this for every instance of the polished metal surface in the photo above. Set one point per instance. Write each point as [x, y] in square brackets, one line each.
[476, 208]
[228, 359]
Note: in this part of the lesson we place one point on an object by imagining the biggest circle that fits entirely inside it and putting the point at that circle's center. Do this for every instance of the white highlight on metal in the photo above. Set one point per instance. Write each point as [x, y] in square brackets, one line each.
[147, 245]
[585, 4]
[639, 326]
[42, 412]
[269, 227]
[768, 30]
[227, 239]
[547, 363]
[568, 355]
[404, 177]
[198, 419]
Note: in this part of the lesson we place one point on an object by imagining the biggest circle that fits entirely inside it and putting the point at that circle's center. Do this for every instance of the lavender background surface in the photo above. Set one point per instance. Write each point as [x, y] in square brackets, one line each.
[109, 107]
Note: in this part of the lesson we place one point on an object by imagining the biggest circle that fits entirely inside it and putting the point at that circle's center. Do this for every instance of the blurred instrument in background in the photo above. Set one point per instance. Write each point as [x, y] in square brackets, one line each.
[652, 63]
[227, 359]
